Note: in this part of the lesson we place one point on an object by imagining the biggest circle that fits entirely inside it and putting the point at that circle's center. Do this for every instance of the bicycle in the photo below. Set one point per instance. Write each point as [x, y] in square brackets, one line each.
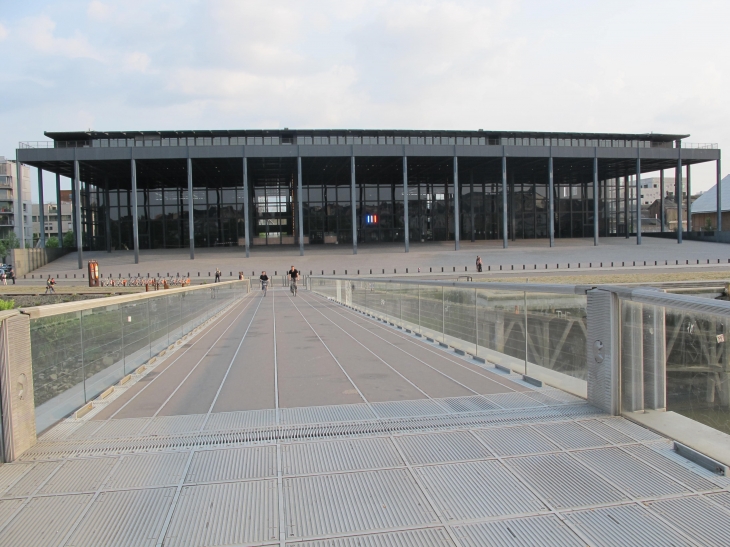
[264, 286]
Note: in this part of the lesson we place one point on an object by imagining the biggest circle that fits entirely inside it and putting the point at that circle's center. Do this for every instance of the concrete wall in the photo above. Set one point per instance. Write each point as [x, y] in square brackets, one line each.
[27, 260]
[16, 386]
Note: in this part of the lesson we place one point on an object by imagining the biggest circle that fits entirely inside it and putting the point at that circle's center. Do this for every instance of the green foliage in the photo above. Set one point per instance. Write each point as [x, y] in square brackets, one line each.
[12, 241]
[69, 239]
[6, 304]
[52, 242]
[708, 224]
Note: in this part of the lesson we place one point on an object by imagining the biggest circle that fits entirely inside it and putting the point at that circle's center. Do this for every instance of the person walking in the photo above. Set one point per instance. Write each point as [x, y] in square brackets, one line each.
[293, 274]
[264, 281]
[217, 275]
[11, 273]
[50, 282]
[4, 277]
[479, 263]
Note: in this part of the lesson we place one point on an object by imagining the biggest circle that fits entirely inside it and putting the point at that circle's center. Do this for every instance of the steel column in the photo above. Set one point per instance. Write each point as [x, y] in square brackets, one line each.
[471, 202]
[405, 200]
[457, 215]
[504, 199]
[247, 225]
[627, 210]
[661, 198]
[719, 195]
[77, 213]
[678, 191]
[638, 200]
[108, 225]
[41, 212]
[299, 206]
[596, 197]
[135, 216]
[191, 218]
[551, 200]
[58, 201]
[353, 201]
[689, 199]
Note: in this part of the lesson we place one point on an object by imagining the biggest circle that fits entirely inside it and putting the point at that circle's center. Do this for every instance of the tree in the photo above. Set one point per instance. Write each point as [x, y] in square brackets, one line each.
[52, 242]
[69, 240]
[12, 241]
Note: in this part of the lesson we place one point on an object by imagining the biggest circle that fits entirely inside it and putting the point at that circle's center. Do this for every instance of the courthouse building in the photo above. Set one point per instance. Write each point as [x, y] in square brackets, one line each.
[172, 189]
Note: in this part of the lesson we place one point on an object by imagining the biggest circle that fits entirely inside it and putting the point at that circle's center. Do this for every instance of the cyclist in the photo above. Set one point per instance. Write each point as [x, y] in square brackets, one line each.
[264, 281]
[293, 274]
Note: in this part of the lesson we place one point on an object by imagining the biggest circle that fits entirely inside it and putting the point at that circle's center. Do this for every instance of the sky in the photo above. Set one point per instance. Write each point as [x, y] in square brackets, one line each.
[559, 65]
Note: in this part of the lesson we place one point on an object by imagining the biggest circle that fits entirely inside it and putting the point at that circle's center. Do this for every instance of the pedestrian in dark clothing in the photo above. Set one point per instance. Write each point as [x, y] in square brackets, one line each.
[11, 273]
[293, 274]
[479, 263]
[217, 275]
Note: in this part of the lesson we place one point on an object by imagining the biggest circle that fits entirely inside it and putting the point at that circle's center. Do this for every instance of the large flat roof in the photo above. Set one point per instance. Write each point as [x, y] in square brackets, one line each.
[87, 135]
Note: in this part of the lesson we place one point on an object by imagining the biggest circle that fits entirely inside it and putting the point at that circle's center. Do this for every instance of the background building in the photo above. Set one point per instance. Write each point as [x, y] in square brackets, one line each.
[169, 189]
[704, 208]
[51, 219]
[8, 195]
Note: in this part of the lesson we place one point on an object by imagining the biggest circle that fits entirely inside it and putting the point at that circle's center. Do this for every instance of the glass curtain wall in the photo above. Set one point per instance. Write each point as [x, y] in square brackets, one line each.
[431, 199]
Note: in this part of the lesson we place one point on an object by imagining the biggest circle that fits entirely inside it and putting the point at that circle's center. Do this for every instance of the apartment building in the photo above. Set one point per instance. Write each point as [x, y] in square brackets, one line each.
[8, 195]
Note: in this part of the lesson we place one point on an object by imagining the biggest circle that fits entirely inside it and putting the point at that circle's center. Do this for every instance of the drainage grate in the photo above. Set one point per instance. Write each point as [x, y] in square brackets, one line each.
[426, 537]
[325, 414]
[400, 409]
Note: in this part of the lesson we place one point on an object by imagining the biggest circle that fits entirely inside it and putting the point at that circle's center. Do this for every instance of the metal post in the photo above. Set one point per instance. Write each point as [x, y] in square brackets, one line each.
[596, 197]
[504, 199]
[77, 216]
[719, 195]
[678, 191]
[661, 198]
[405, 200]
[471, 203]
[524, 296]
[420, 329]
[638, 200]
[247, 225]
[443, 316]
[476, 325]
[689, 199]
[108, 226]
[299, 205]
[58, 201]
[551, 200]
[19, 224]
[135, 219]
[353, 202]
[191, 218]
[41, 212]
[457, 215]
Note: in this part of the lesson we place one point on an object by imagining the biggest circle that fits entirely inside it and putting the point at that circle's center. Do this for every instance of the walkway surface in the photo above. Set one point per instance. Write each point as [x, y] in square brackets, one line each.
[297, 421]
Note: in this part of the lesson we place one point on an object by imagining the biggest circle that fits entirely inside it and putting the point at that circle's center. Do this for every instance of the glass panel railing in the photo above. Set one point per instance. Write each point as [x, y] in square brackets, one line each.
[79, 354]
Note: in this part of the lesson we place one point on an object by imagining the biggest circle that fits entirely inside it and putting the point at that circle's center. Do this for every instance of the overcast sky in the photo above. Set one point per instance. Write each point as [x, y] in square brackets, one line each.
[582, 65]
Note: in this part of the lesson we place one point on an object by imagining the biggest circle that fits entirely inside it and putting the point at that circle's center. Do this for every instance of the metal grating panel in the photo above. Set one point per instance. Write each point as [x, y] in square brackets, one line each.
[425, 537]
[564, 482]
[602, 350]
[673, 469]
[174, 425]
[543, 531]
[344, 455]
[558, 395]
[117, 519]
[570, 435]
[441, 447]
[227, 421]
[542, 397]
[62, 430]
[626, 525]
[79, 476]
[666, 449]
[8, 508]
[30, 482]
[324, 414]
[516, 441]
[364, 501]
[513, 400]
[697, 517]
[10, 473]
[148, 470]
[477, 490]
[418, 407]
[225, 514]
[120, 429]
[606, 431]
[44, 521]
[634, 476]
[475, 403]
[232, 464]
[631, 429]
[722, 499]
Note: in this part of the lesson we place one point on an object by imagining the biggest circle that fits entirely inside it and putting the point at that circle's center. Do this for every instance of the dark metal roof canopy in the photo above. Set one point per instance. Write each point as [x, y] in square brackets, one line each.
[292, 133]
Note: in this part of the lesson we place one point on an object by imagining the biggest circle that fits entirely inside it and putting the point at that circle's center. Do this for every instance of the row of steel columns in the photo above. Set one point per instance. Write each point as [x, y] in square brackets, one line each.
[76, 191]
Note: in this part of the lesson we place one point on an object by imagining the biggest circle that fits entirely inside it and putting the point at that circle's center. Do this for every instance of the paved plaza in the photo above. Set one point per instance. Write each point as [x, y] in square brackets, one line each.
[535, 255]
[298, 421]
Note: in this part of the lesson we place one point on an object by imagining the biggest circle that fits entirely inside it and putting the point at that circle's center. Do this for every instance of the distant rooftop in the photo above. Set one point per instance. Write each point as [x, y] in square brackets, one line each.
[707, 202]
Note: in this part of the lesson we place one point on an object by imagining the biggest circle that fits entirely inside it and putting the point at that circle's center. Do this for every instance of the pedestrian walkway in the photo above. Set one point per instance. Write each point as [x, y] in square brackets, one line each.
[297, 421]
